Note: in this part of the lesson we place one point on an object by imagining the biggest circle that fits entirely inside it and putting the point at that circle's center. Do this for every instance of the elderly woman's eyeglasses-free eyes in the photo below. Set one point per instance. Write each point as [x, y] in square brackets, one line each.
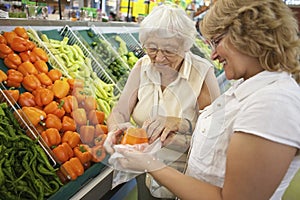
[152, 51]
[213, 43]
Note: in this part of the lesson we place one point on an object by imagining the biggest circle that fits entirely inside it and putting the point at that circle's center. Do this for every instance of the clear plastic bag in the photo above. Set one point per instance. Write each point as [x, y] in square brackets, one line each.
[119, 174]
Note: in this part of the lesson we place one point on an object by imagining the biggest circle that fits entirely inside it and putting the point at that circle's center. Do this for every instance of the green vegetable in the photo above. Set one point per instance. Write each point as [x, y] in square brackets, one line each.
[25, 170]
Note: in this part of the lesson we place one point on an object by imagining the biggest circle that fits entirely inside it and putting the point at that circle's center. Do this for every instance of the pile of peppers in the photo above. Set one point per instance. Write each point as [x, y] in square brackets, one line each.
[25, 170]
[67, 118]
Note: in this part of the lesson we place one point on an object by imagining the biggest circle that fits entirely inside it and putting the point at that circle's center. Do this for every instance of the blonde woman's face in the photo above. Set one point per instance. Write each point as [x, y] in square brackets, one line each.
[236, 64]
[167, 52]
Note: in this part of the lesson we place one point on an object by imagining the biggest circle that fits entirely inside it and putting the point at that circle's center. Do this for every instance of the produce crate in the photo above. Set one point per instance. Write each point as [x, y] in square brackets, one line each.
[23, 120]
[96, 65]
[132, 44]
[105, 54]
[70, 188]
[73, 39]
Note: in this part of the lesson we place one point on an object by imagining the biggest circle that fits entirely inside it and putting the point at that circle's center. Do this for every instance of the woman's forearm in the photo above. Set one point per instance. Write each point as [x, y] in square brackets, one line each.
[186, 187]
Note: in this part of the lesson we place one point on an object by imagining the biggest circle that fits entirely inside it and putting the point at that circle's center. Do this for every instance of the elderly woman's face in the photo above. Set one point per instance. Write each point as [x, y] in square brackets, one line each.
[165, 51]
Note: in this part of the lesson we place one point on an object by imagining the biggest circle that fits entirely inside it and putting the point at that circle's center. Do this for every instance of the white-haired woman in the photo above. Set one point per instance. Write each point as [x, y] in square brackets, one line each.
[167, 87]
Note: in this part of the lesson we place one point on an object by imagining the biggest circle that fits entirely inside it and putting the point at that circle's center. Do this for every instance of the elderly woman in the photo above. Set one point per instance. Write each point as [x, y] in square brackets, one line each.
[246, 143]
[168, 86]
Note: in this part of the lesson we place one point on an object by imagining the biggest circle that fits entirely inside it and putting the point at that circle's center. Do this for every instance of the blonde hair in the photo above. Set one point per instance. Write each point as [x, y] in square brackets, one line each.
[168, 21]
[264, 29]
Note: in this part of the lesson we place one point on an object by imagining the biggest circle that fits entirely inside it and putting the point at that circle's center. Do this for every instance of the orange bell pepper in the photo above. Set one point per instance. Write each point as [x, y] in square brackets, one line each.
[9, 36]
[12, 61]
[55, 108]
[63, 152]
[72, 138]
[68, 124]
[27, 68]
[134, 136]
[89, 103]
[31, 82]
[76, 83]
[98, 153]
[51, 137]
[52, 121]
[41, 54]
[21, 31]
[35, 115]
[5, 50]
[100, 140]
[19, 44]
[3, 76]
[96, 117]
[100, 129]
[79, 115]
[87, 133]
[28, 56]
[43, 96]
[41, 66]
[70, 103]
[14, 78]
[61, 88]
[13, 95]
[26, 99]
[73, 168]
[30, 46]
[44, 79]
[80, 94]
[2, 39]
[54, 74]
[83, 152]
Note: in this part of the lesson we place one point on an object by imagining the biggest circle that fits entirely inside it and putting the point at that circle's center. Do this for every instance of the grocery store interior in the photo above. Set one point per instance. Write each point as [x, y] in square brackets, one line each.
[96, 40]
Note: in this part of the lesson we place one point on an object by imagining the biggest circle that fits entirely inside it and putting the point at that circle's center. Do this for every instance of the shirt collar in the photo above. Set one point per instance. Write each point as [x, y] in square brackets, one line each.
[241, 89]
[186, 66]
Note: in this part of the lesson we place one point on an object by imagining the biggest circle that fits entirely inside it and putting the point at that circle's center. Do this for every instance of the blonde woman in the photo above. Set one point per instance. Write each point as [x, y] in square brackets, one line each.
[246, 143]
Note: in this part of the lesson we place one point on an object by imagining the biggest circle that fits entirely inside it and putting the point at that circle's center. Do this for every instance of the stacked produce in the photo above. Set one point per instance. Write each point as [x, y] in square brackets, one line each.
[25, 171]
[65, 115]
[114, 65]
[128, 56]
[78, 66]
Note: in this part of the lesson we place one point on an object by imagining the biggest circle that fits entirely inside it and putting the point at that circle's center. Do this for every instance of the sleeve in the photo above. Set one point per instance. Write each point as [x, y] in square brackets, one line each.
[272, 115]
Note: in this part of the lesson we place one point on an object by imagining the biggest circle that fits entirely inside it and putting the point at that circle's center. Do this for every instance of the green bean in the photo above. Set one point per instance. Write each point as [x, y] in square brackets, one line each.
[2, 176]
[27, 190]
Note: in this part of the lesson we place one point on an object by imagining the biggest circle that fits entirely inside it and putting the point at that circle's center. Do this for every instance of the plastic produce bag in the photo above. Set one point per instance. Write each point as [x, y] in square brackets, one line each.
[121, 176]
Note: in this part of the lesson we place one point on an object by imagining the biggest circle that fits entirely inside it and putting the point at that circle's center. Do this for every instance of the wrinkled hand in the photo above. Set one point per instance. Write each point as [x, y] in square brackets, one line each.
[138, 161]
[162, 127]
[112, 138]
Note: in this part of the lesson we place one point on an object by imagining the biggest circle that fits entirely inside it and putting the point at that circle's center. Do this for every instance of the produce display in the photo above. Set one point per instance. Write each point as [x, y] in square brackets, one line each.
[25, 171]
[66, 118]
[77, 65]
[63, 89]
[112, 61]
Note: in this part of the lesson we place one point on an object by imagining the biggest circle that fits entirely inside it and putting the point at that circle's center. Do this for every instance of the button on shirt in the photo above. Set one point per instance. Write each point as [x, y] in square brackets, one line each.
[266, 105]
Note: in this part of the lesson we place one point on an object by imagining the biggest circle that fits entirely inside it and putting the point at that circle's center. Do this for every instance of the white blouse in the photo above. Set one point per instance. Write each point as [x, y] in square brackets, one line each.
[272, 98]
[178, 99]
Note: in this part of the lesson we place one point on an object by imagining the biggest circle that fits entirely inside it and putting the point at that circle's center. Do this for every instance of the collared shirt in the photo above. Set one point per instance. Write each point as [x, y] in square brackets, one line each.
[266, 105]
[178, 99]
